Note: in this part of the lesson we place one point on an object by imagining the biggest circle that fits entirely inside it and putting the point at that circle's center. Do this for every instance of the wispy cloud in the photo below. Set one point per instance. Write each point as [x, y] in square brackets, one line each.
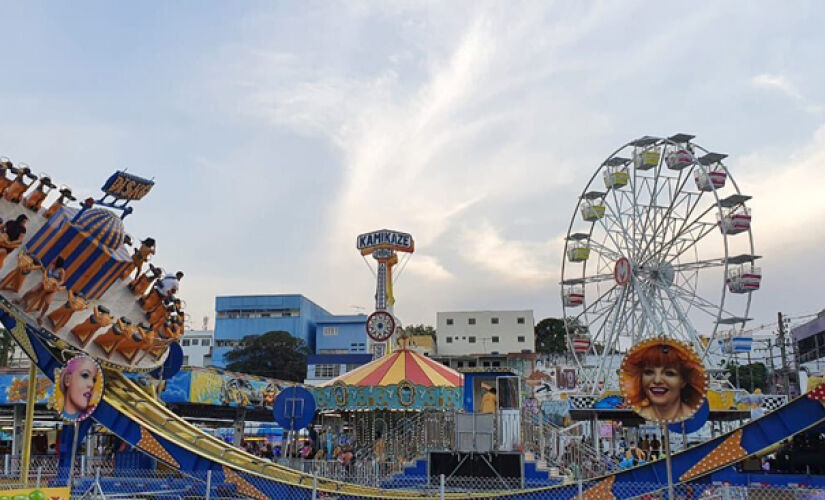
[783, 85]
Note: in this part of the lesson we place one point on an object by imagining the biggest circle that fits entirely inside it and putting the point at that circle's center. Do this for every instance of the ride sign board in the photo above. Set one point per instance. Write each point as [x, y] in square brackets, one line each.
[294, 408]
[622, 271]
[385, 238]
[125, 186]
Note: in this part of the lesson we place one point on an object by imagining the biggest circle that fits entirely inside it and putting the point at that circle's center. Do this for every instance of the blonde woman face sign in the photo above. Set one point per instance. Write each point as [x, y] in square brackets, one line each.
[663, 388]
[79, 385]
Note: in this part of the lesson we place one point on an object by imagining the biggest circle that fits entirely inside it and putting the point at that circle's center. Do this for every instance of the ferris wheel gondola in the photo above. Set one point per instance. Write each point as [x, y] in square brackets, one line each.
[659, 244]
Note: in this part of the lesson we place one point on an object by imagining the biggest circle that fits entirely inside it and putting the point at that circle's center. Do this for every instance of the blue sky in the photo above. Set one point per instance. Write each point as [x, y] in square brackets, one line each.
[278, 131]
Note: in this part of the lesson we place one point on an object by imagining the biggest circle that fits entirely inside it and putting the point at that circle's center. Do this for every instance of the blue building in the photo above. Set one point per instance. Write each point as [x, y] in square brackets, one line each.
[339, 342]
[341, 345]
[242, 315]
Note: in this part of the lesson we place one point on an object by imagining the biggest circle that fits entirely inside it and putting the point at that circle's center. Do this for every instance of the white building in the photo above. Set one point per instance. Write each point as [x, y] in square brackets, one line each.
[197, 347]
[469, 333]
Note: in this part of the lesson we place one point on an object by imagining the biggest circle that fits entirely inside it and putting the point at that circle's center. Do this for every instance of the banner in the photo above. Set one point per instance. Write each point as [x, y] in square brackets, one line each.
[36, 494]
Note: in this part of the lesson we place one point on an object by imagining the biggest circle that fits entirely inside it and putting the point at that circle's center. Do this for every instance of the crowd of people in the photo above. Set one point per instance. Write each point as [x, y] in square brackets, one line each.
[326, 445]
[802, 454]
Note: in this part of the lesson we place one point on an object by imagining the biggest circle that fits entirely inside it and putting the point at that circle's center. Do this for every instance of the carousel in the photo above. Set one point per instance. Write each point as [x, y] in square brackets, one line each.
[401, 399]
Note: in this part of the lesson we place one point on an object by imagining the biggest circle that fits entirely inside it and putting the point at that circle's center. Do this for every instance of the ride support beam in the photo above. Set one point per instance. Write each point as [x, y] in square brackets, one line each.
[31, 397]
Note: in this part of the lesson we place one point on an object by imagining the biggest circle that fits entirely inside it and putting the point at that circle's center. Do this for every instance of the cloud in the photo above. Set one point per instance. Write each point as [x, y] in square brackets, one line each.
[512, 261]
[783, 85]
[787, 199]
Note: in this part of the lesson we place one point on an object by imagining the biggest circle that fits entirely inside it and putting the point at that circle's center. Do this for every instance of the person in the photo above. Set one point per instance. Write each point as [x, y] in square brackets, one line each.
[26, 263]
[41, 295]
[655, 445]
[378, 447]
[12, 236]
[140, 256]
[313, 437]
[488, 401]
[80, 388]
[74, 302]
[169, 284]
[644, 443]
[663, 381]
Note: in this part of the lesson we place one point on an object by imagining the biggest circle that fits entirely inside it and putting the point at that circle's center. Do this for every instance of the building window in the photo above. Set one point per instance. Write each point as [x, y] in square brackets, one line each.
[496, 363]
[520, 321]
[330, 330]
[471, 364]
[449, 321]
[494, 321]
[472, 340]
[205, 342]
[520, 338]
[460, 364]
[186, 360]
[495, 340]
[449, 340]
[471, 321]
[185, 342]
[327, 371]
[486, 364]
[287, 314]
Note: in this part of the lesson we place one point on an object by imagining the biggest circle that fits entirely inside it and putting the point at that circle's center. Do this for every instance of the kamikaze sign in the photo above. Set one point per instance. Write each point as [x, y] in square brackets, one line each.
[385, 238]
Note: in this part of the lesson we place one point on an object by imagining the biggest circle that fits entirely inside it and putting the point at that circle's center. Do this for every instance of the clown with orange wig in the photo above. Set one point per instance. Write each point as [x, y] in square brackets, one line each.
[663, 380]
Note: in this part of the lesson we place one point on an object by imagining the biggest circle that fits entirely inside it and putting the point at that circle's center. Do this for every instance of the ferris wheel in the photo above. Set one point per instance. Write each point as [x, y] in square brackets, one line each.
[659, 244]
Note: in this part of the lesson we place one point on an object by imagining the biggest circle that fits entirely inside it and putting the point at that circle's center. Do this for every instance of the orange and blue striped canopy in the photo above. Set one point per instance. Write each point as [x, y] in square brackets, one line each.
[401, 365]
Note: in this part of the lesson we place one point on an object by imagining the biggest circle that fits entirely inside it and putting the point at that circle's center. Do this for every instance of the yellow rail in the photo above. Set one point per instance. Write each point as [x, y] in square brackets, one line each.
[134, 402]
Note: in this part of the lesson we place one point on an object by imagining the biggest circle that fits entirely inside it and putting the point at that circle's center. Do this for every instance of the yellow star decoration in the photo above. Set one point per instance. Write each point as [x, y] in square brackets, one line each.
[149, 443]
[603, 490]
[729, 451]
[242, 484]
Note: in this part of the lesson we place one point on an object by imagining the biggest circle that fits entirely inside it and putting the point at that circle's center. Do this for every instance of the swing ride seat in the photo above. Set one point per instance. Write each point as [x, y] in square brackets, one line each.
[578, 254]
[573, 298]
[708, 181]
[592, 213]
[615, 178]
[646, 159]
[679, 159]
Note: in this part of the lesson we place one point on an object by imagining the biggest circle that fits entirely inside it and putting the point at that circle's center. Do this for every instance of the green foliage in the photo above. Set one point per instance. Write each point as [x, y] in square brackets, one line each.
[752, 376]
[550, 337]
[420, 330]
[274, 354]
[6, 347]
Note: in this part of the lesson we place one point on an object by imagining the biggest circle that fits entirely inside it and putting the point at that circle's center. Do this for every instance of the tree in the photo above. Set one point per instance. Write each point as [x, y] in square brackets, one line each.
[6, 347]
[752, 376]
[274, 354]
[550, 336]
[420, 330]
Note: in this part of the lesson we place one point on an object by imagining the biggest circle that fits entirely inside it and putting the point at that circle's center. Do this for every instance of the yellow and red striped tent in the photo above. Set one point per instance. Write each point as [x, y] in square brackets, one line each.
[400, 365]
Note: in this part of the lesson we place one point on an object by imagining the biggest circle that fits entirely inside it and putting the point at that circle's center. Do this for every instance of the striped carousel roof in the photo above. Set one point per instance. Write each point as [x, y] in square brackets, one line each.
[401, 365]
[102, 225]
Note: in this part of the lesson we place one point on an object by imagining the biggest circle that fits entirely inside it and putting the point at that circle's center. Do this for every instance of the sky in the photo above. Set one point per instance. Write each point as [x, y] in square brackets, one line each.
[276, 132]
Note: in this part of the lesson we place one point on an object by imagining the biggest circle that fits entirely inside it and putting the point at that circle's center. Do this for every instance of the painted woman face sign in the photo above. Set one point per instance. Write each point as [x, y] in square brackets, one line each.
[663, 380]
[78, 388]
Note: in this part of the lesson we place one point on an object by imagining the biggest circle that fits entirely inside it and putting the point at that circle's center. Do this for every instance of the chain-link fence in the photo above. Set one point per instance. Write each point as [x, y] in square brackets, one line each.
[222, 484]
[93, 478]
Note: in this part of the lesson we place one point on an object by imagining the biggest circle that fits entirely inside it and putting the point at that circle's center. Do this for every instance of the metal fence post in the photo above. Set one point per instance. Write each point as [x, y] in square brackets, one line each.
[441, 487]
[82, 465]
[314, 485]
[6, 464]
[581, 488]
[208, 484]
[39, 475]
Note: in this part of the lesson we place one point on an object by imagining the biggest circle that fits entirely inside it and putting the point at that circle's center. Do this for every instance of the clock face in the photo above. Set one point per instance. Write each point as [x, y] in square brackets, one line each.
[380, 326]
